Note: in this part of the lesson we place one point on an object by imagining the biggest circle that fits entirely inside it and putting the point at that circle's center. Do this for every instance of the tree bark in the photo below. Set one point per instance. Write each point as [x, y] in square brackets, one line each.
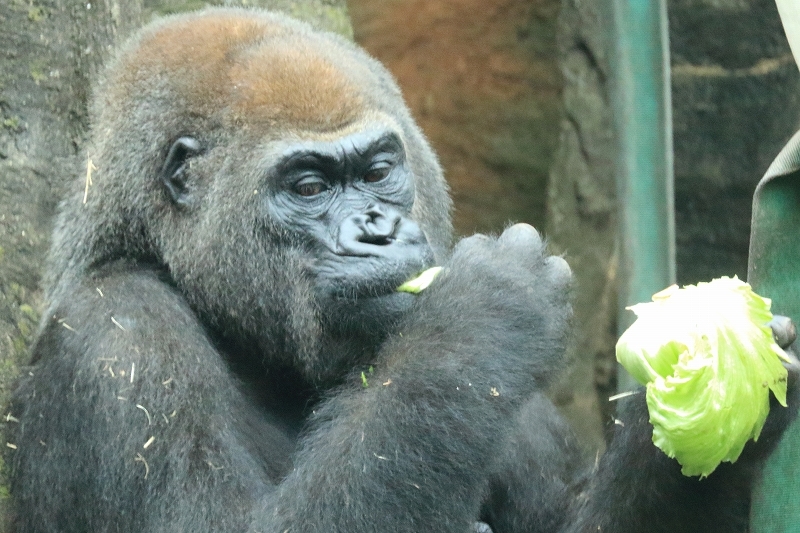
[50, 53]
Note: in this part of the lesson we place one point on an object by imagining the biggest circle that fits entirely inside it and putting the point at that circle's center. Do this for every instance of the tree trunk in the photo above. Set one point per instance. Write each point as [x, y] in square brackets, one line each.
[52, 51]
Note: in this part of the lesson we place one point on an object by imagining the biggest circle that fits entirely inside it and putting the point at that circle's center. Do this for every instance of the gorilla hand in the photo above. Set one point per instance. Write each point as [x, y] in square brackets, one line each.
[514, 323]
[512, 277]
[516, 266]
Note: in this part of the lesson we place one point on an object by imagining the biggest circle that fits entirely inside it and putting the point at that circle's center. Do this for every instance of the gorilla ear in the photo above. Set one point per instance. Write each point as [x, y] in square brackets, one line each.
[172, 173]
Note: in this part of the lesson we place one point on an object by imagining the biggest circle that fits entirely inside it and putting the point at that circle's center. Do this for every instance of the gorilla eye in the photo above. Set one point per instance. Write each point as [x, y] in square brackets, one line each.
[378, 173]
[310, 186]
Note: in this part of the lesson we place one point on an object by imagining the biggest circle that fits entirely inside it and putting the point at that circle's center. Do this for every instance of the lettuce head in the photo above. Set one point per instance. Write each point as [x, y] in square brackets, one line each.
[709, 362]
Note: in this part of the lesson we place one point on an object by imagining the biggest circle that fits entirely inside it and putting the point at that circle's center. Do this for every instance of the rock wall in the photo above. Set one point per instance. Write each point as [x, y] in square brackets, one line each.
[482, 79]
[736, 101]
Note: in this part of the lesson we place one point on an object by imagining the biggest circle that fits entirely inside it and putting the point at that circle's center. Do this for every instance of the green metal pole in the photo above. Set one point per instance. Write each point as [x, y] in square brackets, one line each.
[643, 124]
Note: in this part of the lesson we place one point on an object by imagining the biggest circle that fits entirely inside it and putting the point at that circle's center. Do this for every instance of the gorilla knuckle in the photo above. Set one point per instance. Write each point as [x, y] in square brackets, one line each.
[558, 271]
[477, 241]
[523, 235]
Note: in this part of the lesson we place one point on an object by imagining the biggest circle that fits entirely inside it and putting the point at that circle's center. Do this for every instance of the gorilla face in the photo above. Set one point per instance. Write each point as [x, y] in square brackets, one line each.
[350, 200]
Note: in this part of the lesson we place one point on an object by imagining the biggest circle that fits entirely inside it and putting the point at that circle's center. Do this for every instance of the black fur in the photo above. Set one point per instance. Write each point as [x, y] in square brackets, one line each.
[219, 354]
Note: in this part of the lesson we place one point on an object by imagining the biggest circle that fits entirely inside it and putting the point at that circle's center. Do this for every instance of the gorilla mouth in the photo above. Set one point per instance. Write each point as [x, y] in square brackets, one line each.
[356, 278]
[371, 313]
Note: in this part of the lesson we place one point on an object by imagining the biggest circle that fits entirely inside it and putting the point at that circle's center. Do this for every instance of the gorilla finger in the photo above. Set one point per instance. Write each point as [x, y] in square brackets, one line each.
[792, 368]
[481, 527]
[521, 235]
[784, 330]
[558, 271]
[470, 243]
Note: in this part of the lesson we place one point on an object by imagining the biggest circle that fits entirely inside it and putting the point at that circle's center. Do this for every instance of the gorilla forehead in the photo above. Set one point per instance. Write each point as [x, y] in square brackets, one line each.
[245, 69]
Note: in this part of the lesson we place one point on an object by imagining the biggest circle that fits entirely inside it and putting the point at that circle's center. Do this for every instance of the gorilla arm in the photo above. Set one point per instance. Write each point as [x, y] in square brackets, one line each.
[414, 448]
[133, 411]
[181, 448]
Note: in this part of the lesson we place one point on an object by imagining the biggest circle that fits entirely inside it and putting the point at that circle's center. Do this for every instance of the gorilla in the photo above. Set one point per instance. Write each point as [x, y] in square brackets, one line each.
[224, 348]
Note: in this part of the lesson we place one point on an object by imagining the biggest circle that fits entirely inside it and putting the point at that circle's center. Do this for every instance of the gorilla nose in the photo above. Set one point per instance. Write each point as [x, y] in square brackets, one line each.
[377, 227]
[372, 231]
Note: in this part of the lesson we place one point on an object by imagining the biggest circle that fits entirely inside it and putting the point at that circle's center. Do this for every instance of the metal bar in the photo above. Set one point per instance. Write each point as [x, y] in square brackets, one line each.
[641, 101]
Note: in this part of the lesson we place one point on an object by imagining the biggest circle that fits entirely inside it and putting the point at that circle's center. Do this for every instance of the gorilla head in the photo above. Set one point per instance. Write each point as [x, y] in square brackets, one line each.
[276, 175]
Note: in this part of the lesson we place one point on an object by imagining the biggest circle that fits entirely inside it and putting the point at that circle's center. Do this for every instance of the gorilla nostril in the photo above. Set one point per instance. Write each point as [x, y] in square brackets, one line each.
[380, 229]
[380, 232]
[374, 211]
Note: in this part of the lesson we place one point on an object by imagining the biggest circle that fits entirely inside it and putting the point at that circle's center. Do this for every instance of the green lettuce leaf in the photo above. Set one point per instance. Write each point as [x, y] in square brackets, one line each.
[421, 282]
[708, 360]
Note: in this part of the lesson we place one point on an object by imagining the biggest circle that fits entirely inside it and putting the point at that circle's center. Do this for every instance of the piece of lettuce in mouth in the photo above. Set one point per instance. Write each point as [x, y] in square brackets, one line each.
[708, 360]
[421, 282]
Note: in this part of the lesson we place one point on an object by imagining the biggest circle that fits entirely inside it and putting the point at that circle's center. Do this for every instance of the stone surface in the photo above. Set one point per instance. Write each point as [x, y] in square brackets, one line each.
[482, 80]
[736, 101]
[581, 218]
